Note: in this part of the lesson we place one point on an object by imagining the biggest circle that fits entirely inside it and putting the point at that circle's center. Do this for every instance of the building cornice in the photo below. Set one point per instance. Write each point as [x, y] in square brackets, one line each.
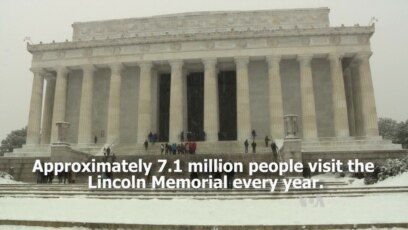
[168, 38]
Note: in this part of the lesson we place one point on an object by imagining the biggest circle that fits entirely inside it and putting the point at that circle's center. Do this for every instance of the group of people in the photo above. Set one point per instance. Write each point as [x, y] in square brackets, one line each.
[192, 136]
[274, 147]
[152, 137]
[63, 177]
[186, 148]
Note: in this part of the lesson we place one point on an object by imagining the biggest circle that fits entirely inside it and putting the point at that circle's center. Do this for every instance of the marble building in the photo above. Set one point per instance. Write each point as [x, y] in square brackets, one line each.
[222, 73]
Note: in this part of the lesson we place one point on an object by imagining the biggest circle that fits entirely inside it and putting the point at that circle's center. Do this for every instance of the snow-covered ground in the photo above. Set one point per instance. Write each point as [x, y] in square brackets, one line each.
[321, 210]
[399, 180]
[5, 178]
[379, 208]
[22, 227]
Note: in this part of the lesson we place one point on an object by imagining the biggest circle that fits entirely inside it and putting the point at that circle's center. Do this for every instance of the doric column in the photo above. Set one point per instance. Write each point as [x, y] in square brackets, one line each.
[48, 107]
[113, 136]
[348, 79]
[243, 108]
[367, 95]
[184, 76]
[358, 110]
[60, 99]
[144, 105]
[85, 110]
[307, 94]
[155, 101]
[34, 118]
[339, 103]
[211, 121]
[275, 98]
[176, 101]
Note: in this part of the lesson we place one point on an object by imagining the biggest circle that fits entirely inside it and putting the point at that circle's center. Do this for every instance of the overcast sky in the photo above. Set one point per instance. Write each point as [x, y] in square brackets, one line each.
[47, 20]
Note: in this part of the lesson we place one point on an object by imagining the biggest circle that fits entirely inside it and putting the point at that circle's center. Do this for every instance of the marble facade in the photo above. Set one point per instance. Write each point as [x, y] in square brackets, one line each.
[105, 81]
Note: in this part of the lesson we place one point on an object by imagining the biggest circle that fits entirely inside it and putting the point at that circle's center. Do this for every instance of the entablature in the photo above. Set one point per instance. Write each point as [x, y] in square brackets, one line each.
[337, 35]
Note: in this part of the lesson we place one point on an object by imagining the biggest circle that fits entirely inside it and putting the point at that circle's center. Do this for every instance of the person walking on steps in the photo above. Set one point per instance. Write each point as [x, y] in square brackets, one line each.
[246, 144]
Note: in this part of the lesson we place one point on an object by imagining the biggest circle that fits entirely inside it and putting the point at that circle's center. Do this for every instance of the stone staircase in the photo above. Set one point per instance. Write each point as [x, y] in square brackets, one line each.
[329, 144]
[330, 189]
[228, 147]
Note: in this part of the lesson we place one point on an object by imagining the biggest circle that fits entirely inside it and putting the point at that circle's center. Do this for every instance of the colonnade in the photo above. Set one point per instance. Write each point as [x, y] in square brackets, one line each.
[42, 128]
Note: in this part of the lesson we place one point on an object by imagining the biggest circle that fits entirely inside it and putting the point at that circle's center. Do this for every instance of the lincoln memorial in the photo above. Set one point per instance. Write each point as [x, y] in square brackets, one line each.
[221, 74]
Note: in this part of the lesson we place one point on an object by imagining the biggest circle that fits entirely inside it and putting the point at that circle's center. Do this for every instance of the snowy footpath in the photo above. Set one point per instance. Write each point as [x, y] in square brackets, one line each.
[346, 210]
[368, 209]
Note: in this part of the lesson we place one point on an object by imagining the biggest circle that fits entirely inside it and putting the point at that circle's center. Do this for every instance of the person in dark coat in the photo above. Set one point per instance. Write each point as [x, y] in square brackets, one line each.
[253, 147]
[146, 144]
[275, 149]
[95, 139]
[230, 178]
[60, 177]
[267, 141]
[167, 148]
[162, 149]
[108, 150]
[246, 144]
[150, 137]
[181, 136]
[306, 172]
[174, 148]
[50, 177]
[253, 134]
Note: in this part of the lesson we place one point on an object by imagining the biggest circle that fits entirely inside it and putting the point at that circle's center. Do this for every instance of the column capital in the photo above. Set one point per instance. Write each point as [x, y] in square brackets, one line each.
[363, 56]
[36, 70]
[305, 58]
[241, 61]
[209, 62]
[273, 60]
[116, 68]
[145, 64]
[61, 70]
[88, 68]
[49, 76]
[176, 63]
[335, 56]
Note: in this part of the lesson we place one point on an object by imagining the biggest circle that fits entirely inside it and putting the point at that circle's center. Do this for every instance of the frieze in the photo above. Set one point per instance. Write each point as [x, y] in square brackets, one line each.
[230, 44]
[272, 42]
[319, 40]
[145, 48]
[37, 56]
[335, 39]
[210, 44]
[61, 54]
[305, 41]
[175, 46]
[363, 39]
[116, 50]
[88, 52]
[241, 44]
[272, 35]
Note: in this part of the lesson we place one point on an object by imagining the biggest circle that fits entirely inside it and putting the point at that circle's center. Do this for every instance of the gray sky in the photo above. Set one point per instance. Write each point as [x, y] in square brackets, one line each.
[47, 20]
